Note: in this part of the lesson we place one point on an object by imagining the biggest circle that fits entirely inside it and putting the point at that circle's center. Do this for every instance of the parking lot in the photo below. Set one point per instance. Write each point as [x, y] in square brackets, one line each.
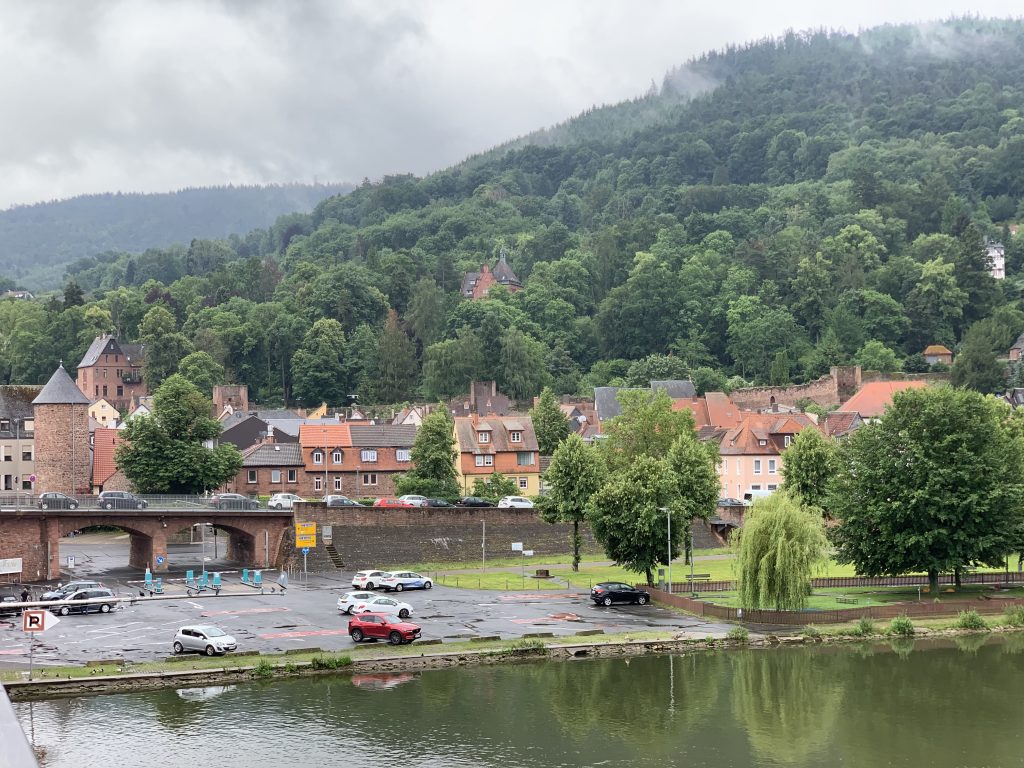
[304, 615]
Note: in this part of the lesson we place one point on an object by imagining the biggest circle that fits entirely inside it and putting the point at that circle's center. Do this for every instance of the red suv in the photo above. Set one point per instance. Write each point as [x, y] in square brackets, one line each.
[367, 626]
[392, 503]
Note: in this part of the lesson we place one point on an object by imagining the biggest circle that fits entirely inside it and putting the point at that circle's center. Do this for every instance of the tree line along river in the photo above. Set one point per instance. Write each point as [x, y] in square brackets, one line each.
[936, 703]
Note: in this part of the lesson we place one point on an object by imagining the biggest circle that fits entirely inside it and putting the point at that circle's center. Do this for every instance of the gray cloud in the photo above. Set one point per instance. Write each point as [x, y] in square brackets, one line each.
[150, 95]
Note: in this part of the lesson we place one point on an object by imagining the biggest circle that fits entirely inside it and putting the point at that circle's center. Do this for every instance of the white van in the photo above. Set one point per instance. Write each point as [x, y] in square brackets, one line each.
[751, 496]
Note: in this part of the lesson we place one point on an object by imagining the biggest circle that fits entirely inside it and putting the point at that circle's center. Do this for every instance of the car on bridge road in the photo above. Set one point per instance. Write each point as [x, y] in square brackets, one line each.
[233, 501]
[54, 500]
[336, 500]
[120, 500]
[283, 501]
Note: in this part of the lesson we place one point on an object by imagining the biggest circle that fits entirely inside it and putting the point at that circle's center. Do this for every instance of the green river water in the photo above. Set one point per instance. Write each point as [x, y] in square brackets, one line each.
[881, 704]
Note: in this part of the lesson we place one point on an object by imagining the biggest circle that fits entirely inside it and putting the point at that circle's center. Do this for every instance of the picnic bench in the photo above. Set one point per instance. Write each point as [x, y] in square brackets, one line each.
[698, 577]
[848, 600]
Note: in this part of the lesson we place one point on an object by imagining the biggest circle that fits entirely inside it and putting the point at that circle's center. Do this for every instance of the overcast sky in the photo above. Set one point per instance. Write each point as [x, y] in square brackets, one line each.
[141, 95]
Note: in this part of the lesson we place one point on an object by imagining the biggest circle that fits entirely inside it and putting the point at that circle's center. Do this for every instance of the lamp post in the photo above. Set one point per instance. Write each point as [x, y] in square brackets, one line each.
[668, 518]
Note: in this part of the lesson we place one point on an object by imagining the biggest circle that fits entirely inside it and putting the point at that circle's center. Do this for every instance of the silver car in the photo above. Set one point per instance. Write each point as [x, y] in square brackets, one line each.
[202, 638]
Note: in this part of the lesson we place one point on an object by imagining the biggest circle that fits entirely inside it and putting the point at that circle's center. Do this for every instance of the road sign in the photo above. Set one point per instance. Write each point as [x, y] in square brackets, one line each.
[305, 535]
[38, 621]
[10, 565]
[517, 546]
[159, 559]
[527, 553]
[305, 551]
[327, 532]
[71, 561]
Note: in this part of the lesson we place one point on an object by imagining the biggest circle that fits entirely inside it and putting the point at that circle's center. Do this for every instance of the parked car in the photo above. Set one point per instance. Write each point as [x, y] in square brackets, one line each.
[399, 580]
[730, 503]
[233, 501]
[608, 592]
[54, 500]
[85, 601]
[120, 500]
[385, 502]
[438, 503]
[517, 502]
[63, 590]
[368, 579]
[339, 501]
[6, 610]
[368, 602]
[377, 626]
[415, 499]
[473, 501]
[283, 501]
[202, 638]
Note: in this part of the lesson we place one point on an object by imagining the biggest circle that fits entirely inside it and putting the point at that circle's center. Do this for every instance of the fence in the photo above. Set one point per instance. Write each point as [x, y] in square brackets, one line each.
[14, 501]
[838, 616]
[838, 582]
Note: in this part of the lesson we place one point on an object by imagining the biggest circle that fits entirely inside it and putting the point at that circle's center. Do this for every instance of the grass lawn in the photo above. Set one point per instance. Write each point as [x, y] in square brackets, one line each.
[825, 599]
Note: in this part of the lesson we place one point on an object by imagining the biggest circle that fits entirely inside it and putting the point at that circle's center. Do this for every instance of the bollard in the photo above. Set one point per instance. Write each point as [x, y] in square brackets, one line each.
[216, 581]
[159, 586]
[190, 577]
[245, 575]
[257, 578]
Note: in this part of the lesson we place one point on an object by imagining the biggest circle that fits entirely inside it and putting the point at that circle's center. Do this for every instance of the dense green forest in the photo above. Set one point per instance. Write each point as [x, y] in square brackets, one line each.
[38, 241]
[770, 210]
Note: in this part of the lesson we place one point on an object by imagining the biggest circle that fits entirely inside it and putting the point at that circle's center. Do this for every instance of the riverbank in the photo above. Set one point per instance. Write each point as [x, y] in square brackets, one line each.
[99, 679]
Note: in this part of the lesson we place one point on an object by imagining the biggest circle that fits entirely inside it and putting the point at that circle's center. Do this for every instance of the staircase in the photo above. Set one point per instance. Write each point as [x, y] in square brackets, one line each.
[335, 556]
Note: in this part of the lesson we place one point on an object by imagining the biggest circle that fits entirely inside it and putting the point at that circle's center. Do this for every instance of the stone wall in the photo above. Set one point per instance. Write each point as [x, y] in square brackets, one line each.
[371, 537]
[823, 391]
[62, 453]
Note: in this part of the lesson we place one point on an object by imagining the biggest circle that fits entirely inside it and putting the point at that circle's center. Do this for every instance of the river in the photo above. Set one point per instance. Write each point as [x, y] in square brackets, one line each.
[894, 704]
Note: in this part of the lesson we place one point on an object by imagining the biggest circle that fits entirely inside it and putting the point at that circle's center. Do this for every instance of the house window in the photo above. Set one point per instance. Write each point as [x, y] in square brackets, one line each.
[97, 390]
[120, 391]
[524, 458]
[524, 483]
[369, 478]
[772, 467]
[757, 466]
[26, 454]
[762, 442]
[515, 437]
[26, 482]
[368, 454]
[403, 454]
[725, 466]
[104, 390]
[291, 476]
[739, 466]
[275, 475]
[336, 457]
[29, 425]
[788, 440]
[483, 437]
[8, 456]
[318, 483]
[251, 476]
[318, 457]
[5, 425]
[755, 487]
[479, 459]
[772, 486]
[337, 483]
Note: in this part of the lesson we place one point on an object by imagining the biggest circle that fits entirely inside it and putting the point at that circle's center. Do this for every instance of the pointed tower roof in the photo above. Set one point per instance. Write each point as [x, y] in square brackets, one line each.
[503, 272]
[61, 390]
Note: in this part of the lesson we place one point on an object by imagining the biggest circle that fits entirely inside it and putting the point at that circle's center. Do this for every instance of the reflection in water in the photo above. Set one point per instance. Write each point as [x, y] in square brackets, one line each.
[854, 706]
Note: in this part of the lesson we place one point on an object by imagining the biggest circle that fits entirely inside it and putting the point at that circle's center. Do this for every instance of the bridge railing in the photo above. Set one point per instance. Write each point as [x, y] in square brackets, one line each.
[23, 500]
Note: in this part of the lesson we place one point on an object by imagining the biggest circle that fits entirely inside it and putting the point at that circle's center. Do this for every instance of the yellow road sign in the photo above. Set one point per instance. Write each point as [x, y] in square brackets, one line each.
[305, 535]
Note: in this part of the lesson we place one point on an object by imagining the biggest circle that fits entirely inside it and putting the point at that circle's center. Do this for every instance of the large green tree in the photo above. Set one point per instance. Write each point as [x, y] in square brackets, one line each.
[202, 370]
[808, 466]
[574, 476]
[645, 426]
[936, 486]
[777, 550]
[434, 456]
[165, 453]
[319, 366]
[165, 346]
[549, 423]
[397, 369]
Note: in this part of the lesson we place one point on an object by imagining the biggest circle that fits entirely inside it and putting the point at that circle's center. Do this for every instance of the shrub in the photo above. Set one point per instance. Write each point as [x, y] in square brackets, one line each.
[330, 662]
[865, 627]
[527, 647]
[290, 668]
[901, 626]
[970, 620]
[1015, 615]
[263, 669]
[812, 631]
[739, 634]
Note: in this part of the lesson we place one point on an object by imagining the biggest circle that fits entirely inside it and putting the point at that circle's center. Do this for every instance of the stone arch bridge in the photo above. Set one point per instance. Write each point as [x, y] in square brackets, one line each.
[254, 536]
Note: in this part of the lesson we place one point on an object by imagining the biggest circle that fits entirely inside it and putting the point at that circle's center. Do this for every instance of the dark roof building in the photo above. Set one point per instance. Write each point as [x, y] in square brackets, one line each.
[61, 390]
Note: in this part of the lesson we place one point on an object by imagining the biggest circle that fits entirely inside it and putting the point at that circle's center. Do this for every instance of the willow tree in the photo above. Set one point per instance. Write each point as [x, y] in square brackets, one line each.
[779, 547]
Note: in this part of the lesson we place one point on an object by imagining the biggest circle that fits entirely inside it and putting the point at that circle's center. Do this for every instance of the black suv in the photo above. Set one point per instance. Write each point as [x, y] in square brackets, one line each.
[120, 500]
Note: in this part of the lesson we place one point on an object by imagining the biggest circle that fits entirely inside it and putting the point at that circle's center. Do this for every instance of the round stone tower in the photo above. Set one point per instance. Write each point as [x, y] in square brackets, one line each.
[63, 457]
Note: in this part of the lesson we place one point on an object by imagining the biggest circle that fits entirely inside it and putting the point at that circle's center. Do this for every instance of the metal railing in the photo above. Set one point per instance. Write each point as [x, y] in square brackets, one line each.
[24, 500]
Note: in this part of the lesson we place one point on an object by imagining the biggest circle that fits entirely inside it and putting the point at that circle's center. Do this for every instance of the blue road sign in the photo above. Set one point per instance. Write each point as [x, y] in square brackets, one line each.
[305, 550]
[159, 559]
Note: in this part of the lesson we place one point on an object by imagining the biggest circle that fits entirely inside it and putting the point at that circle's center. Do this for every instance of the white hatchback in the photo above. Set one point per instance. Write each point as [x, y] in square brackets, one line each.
[283, 501]
[368, 602]
[412, 498]
[520, 502]
[368, 579]
[203, 638]
[401, 580]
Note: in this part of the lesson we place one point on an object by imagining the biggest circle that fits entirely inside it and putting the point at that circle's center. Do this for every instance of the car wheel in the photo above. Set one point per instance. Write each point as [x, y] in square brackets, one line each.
[72, 505]
[427, 585]
[64, 610]
[607, 601]
[140, 505]
[403, 614]
[399, 587]
[210, 651]
[105, 608]
[357, 635]
[44, 506]
[642, 600]
[395, 638]
[348, 610]
[369, 585]
[178, 647]
[108, 505]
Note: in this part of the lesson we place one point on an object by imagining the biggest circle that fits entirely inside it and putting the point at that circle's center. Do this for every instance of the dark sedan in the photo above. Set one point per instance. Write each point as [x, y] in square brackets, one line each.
[340, 501]
[120, 500]
[233, 501]
[609, 592]
[437, 503]
[473, 501]
[55, 500]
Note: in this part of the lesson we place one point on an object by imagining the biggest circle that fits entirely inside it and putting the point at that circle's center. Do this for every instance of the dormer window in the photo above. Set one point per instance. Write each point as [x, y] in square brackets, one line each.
[788, 440]
[762, 442]
[336, 457]
[368, 454]
[515, 437]
[318, 457]
[483, 437]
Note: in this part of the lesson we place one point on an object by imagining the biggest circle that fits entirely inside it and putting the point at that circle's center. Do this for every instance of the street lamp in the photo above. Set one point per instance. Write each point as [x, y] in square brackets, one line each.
[668, 517]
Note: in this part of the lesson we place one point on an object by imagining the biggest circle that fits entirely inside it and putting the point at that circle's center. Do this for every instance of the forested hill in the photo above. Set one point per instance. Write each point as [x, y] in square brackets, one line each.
[768, 211]
[37, 241]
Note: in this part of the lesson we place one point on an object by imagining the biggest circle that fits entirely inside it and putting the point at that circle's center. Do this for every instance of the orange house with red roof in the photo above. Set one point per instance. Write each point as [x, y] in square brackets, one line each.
[355, 460]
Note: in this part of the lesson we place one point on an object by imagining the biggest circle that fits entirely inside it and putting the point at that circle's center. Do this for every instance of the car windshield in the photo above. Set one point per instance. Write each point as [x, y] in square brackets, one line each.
[214, 632]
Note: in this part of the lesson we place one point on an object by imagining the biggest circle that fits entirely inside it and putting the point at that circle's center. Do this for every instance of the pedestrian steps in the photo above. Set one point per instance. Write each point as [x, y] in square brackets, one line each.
[335, 556]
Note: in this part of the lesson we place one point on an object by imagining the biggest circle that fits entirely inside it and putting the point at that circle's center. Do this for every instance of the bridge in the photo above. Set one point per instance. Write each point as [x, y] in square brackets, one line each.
[33, 534]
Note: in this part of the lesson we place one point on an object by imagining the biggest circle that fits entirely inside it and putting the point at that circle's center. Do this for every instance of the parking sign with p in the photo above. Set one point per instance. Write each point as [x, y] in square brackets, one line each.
[37, 621]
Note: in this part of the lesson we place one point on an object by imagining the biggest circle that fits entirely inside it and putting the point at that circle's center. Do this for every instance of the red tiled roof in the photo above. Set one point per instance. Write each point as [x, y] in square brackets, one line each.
[104, 444]
[324, 436]
[875, 396]
[838, 423]
[715, 409]
[937, 349]
[746, 438]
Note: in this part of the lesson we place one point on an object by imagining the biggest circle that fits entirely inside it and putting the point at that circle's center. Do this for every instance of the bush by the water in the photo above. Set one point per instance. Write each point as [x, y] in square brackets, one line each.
[1015, 615]
[739, 634]
[865, 627]
[970, 620]
[902, 626]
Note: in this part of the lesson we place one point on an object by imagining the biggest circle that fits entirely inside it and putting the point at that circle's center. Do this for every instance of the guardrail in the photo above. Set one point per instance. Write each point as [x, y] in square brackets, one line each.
[20, 501]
